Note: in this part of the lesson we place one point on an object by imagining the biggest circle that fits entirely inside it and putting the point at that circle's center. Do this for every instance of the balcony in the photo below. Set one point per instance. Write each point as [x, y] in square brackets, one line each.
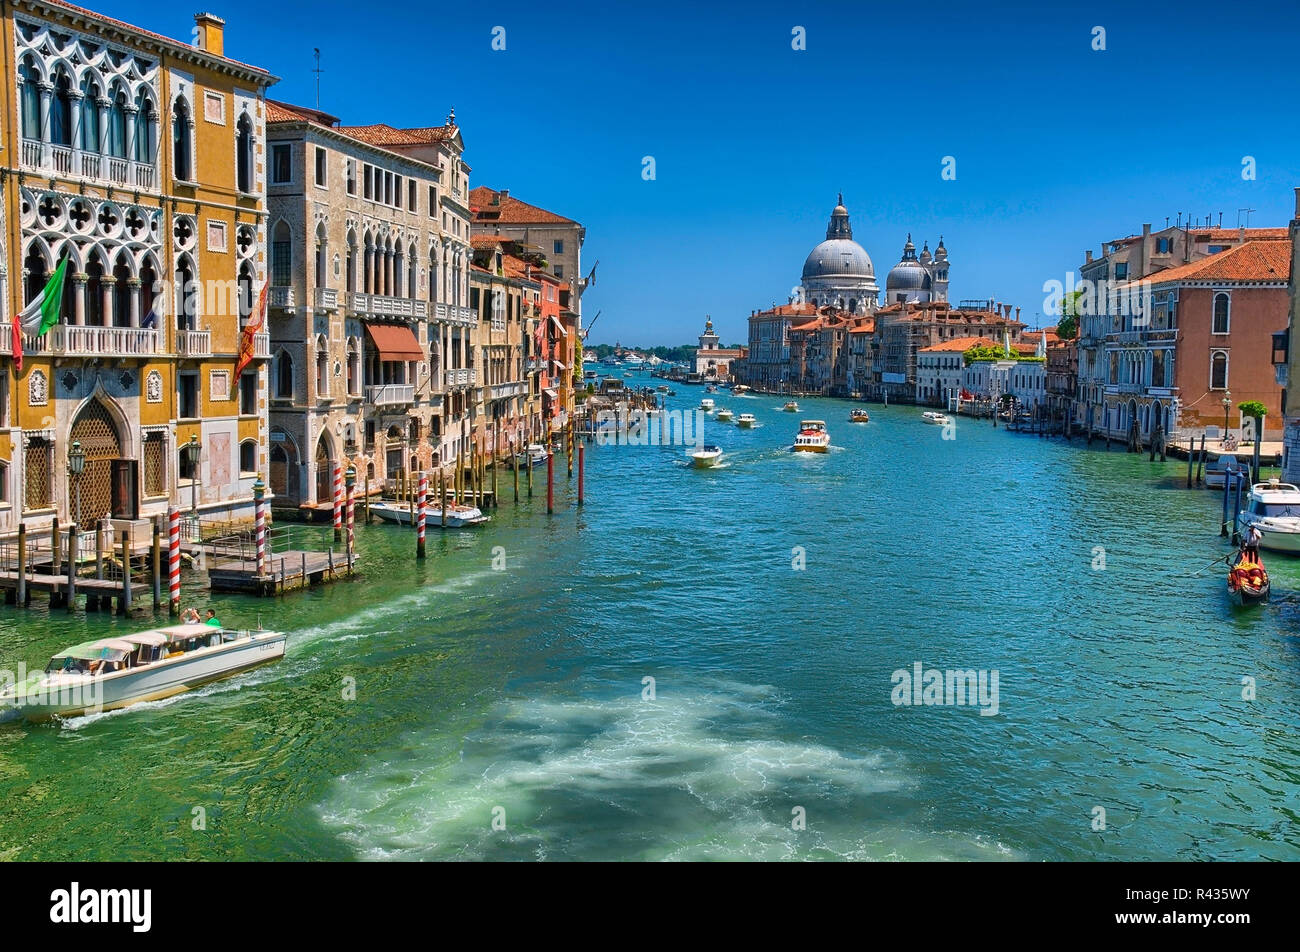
[454, 314]
[73, 163]
[261, 346]
[503, 391]
[327, 299]
[390, 394]
[381, 305]
[6, 339]
[194, 343]
[463, 377]
[1147, 336]
[281, 297]
[71, 340]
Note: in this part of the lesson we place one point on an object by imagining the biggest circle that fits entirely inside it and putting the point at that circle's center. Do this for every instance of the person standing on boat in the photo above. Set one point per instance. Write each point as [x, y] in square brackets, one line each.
[1250, 540]
[212, 619]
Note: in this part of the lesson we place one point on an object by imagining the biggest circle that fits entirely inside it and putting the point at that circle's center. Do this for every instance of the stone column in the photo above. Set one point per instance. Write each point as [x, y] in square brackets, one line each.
[75, 98]
[79, 298]
[133, 285]
[103, 103]
[47, 94]
[131, 112]
[106, 285]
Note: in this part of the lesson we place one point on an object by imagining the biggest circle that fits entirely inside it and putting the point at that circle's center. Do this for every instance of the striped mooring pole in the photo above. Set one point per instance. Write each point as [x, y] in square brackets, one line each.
[338, 503]
[174, 561]
[421, 495]
[259, 493]
[350, 481]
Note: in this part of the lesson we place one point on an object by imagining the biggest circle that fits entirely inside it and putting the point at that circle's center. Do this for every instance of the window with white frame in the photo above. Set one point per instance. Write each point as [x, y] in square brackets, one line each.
[1219, 370]
[1222, 313]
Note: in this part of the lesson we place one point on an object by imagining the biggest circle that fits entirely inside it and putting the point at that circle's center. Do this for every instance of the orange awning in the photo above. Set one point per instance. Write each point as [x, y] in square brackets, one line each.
[394, 342]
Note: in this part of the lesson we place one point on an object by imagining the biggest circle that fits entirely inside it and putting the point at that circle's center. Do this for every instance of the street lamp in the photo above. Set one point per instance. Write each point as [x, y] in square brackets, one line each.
[77, 466]
[1227, 402]
[195, 447]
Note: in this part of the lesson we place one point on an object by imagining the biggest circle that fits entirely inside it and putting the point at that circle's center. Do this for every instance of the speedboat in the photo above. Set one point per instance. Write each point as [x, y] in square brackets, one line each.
[1274, 509]
[458, 515]
[812, 437]
[706, 456]
[859, 416]
[707, 404]
[938, 419]
[1218, 470]
[662, 388]
[746, 421]
[740, 389]
[114, 672]
[725, 415]
[791, 407]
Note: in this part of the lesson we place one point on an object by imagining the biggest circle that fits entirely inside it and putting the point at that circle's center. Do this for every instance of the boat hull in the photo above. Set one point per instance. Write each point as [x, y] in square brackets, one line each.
[1273, 540]
[70, 696]
[810, 449]
[1245, 594]
[432, 516]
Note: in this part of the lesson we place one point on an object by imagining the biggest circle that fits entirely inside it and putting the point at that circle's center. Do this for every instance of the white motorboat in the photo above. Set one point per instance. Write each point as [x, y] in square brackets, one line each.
[791, 407]
[532, 457]
[707, 404]
[812, 437]
[724, 415]
[746, 421]
[146, 666]
[935, 418]
[458, 516]
[1274, 509]
[706, 456]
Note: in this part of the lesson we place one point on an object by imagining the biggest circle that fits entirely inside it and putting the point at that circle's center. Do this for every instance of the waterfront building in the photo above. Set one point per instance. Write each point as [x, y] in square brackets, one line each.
[1207, 339]
[1062, 377]
[939, 369]
[358, 343]
[1286, 359]
[767, 364]
[140, 160]
[918, 280]
[1124, 261]
[997, 378]
[506, 408]
[817, 354]
[712, 361]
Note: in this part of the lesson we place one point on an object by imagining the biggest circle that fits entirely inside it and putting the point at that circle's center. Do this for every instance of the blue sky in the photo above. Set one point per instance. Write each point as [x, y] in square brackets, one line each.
[1058, 147]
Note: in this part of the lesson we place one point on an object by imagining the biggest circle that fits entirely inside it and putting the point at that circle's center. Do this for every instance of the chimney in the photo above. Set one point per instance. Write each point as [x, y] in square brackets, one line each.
[1241, 232]
[1297, 203]
[503, 194]
[1017, 313]
[1146, 241]
[208, 33]
[1087, 255]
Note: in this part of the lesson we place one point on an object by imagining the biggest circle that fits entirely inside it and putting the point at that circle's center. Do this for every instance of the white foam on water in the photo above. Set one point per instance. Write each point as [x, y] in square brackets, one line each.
[695, 774]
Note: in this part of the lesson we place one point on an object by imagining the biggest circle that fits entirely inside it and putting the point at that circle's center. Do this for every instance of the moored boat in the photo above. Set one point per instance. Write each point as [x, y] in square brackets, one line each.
[746, 421]
[1248, 582]
[812, 437]
[706, 456]
[937, 419]
[1219, 469]
[725, 415]
[458, 515]
[1274, 509]
[859, 416]
[146, 666]
[532, 456]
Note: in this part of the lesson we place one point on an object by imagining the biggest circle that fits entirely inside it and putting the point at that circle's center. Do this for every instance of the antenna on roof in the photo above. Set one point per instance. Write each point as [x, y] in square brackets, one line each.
[1247, 211]
[317, 71]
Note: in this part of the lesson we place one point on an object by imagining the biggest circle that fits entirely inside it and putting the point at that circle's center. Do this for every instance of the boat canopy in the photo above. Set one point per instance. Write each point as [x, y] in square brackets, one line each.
[151, 638]
[105, 649]
[182, 632]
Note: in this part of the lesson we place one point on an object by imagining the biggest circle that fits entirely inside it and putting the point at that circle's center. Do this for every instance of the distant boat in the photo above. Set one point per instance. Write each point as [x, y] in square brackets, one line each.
[740, 389]
[706, 405]
[859, 416]
[791, 407]
[724, 415]
[746, 421]
[937, 419]
[706, 456]
[1217, 470]
[812, 438]
[532, 457]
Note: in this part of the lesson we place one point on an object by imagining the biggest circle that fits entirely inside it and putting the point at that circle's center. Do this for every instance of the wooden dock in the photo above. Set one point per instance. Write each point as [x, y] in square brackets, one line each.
[232, 563]
[102, 564]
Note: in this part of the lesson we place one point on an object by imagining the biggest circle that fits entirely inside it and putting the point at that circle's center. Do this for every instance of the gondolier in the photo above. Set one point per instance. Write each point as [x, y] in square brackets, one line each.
[1250, 540]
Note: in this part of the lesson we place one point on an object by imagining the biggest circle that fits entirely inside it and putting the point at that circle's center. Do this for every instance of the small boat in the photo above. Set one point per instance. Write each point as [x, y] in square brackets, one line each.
[711, 389]
[1217, 470]
[725, 415]
[740, 389]
[146, 666]
[812, 437]
[859, 416]
[627, 373]
[746, 421]
[791, 407]
[937, 419]
[706, 405]
[458, 515]
[662, 388]
[706, 456]
[1248, 582]
[1274, 509]
[534, 455]
[672, 393]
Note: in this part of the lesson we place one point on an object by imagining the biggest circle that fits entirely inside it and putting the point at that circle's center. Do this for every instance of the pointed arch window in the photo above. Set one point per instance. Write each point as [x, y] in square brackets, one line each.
[117, 127]
[122, 292]
[349, 270]
[284, 376]
[29, 95]
[245, 292]
[61, 111]
[182, 160]
[89, 132]
[146, 145]
[94, 289]
[36, 267]
[322, 257]
[244, 154]
[187, 296]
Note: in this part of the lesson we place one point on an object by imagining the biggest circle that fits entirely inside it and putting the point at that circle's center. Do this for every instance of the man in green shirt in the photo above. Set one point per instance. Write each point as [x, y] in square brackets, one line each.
[212, 619]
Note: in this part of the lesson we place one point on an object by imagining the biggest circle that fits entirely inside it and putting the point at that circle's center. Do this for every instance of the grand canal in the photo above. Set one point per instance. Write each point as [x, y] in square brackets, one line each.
[519, 694]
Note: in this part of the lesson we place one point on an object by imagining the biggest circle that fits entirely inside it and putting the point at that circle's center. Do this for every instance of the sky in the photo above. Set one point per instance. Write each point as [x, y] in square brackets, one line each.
[1057, 146]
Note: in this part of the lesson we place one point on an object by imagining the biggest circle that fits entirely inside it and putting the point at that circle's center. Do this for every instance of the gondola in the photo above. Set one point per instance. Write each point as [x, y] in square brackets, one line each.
[1248, 582]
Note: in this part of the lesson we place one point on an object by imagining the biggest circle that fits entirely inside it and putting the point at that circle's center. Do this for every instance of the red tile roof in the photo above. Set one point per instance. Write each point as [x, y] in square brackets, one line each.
[384, 135]
[958, 344]
[787, 310]
[1262, 260]
[1251, 234]
[510, 210]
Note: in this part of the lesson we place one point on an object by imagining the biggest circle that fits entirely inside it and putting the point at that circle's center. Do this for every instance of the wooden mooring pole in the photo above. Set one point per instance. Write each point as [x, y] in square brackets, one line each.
[71, 599]
[124, 600]
[157, 565]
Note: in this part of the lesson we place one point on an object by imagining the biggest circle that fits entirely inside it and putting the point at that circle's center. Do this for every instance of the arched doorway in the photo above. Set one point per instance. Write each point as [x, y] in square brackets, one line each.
[284, 469]
[324, 472]
[106, 484]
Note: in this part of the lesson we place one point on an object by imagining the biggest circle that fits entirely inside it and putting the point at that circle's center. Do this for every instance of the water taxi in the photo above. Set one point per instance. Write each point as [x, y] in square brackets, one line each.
[746, 421]
[707, 404]
[706, 456]
[1274, 509]
[458, 515]
[791, 407]
[812, 437]
[859, 416]
[114, 672]
[725, 415]
[937, 419]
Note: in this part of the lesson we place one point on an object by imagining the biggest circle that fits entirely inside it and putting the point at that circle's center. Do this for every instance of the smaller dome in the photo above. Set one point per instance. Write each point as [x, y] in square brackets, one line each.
[907, 276]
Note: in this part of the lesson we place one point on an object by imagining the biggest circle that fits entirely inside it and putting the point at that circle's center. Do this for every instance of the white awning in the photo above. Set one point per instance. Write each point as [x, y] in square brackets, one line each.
[560, 364]
[552, 394]
[558, 326]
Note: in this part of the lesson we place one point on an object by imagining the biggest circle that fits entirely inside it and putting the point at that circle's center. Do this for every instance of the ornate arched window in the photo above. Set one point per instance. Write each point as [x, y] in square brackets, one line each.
[117, 126]
[36, 267]
[284, 375]
[350, 263]
[182, 160]
[322, 257]
[29, 98]
[61, 110]
[94, 289]
[89, 133]
[187, 294]
[244, 154]
[145, 122]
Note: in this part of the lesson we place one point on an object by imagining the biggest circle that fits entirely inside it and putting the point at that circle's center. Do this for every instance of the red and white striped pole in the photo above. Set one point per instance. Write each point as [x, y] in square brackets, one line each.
[174, 561]
[350, 480]
[421, 496]
[338, 503]
[259, 493]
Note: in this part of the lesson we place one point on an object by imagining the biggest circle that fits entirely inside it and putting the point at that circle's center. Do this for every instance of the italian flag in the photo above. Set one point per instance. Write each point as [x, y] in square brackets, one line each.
[41, 314]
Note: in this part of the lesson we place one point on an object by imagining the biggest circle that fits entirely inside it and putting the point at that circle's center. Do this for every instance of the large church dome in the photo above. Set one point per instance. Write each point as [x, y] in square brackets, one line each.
[838, 257]
[839, 270]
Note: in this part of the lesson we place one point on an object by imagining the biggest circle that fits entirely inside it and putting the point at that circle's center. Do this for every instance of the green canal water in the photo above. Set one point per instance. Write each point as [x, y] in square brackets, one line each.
[519, 695]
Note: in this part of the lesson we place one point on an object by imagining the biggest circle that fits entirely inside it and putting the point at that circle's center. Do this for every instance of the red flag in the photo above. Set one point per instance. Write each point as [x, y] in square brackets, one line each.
[255, 322]
[18, 346]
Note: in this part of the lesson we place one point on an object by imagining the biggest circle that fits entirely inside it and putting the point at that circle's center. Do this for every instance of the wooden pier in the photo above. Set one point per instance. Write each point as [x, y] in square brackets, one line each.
[233, 565]
[113, 562]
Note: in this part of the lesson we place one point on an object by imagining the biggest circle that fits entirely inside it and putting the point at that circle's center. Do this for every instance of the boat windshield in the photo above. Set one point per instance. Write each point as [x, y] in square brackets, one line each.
[1277, 509]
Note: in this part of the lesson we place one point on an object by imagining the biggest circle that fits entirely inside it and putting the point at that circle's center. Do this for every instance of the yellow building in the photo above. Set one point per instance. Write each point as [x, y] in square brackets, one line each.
[141, 159]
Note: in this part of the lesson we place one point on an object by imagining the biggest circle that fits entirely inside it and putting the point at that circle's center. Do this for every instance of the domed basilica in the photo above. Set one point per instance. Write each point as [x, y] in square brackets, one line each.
[839, 272]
